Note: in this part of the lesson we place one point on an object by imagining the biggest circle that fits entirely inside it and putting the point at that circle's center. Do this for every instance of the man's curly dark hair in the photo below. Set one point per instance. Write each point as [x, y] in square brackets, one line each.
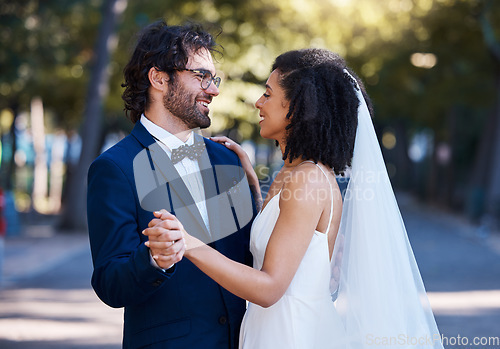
[167, 48]
[323, 110]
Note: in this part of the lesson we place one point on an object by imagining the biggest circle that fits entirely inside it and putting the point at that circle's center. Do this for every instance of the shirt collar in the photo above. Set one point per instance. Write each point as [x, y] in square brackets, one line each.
[170, 140]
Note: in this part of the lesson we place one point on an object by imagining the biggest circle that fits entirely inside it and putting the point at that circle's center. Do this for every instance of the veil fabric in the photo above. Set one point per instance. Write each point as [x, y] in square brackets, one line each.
[379, 292]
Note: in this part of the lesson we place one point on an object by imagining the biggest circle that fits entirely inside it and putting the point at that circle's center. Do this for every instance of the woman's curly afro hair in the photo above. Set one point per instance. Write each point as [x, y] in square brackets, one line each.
[323, 110]
[167, 48]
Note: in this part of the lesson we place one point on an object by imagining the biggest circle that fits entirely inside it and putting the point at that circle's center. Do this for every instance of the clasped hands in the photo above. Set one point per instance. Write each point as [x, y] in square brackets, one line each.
[168, 240]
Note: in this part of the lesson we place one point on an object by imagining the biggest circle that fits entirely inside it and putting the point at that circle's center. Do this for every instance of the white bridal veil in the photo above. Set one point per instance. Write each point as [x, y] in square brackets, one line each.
[379, 293]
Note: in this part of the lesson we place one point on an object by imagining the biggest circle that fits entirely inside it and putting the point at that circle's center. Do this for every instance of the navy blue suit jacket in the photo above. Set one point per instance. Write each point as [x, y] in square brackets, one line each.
[180, 308]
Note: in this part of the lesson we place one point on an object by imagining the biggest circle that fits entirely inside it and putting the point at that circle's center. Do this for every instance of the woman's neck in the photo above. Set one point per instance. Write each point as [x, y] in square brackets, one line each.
[294, 162]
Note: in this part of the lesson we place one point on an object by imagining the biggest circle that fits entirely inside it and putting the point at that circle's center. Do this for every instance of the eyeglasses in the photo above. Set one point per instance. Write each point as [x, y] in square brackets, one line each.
[206, 77]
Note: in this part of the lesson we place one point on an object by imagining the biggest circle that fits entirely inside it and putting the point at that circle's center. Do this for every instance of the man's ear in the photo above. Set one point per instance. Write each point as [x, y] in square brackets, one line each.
[158, 79]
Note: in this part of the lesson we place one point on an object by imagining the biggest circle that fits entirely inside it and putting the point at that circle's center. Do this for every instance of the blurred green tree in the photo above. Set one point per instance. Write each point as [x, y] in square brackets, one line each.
[450, 97]
[428, 65]
[44, 50]
[97, 91]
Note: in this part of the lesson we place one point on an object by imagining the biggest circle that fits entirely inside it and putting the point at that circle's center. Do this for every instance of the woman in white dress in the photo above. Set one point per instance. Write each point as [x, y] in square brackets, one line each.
[293, 236]
[310, 108]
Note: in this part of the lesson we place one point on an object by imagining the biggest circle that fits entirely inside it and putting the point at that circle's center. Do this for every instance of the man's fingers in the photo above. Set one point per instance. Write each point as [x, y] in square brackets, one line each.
[163, 214]
[169, 224]
[154, 222]
[161, 234]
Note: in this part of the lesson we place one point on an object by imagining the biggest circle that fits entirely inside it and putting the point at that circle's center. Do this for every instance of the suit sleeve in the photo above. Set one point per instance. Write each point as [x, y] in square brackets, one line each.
[123, 274]
[246, 230]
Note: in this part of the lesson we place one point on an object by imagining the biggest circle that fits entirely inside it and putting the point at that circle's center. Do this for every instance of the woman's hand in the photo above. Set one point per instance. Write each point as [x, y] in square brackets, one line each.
[245, 160]
[253, 180]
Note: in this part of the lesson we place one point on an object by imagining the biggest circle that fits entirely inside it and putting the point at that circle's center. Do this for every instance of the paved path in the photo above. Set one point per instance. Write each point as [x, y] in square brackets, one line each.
[461, 271]
[46, 300]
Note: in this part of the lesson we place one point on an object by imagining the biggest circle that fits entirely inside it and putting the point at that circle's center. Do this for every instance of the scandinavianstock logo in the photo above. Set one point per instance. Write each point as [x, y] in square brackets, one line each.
[225, 193]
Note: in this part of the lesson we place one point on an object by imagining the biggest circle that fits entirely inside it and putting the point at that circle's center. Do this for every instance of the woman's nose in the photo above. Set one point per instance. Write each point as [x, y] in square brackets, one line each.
[258, 103]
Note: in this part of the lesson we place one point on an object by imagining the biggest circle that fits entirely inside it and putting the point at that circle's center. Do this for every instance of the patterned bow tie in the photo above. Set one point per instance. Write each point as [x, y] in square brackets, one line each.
[193, 152]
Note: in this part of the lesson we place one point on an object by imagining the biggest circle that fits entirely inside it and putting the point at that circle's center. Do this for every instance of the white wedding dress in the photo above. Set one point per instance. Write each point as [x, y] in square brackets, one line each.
[305, 317]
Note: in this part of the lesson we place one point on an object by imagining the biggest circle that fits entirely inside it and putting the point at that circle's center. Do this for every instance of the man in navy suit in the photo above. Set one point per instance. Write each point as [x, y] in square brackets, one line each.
[169, 303]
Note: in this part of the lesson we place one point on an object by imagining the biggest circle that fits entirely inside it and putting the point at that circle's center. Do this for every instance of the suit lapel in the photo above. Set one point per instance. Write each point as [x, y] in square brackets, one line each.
[211, 188]
[142, 135]
[182, 201]
[168, 174]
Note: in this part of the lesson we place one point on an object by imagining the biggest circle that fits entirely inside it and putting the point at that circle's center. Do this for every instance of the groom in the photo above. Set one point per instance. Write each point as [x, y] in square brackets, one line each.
[169, 84]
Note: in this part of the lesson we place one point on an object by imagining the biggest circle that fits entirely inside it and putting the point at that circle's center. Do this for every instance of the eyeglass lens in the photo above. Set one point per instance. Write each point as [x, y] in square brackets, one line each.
[207, 80]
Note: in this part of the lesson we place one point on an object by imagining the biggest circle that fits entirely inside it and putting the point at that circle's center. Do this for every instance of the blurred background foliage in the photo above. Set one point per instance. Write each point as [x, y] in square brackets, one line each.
[431, 68]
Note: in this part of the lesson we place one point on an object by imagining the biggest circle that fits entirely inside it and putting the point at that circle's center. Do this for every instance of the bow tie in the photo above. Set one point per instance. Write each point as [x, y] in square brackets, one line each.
[193, 152]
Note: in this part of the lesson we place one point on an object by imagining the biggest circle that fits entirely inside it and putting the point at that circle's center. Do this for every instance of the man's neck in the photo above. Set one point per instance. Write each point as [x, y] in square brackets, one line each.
[169, 123]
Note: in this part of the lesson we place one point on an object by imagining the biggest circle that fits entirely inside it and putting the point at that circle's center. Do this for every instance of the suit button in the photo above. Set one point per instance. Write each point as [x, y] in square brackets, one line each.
[222, 320]
[157, 282]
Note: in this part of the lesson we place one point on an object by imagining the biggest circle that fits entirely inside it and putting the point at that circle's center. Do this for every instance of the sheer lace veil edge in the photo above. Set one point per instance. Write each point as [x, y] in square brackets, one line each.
[379, 292]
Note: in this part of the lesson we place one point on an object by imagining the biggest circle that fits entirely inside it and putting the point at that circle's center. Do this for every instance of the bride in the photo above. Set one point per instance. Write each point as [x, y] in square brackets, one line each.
[324, 275]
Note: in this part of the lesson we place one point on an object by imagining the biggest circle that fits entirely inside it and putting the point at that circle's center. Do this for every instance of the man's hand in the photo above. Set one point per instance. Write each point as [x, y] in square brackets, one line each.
[166, 239]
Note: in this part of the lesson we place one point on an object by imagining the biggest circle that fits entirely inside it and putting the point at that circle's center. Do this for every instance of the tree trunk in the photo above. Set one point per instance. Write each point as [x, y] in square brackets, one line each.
[493, 186]
[493, 199]
[403, 162]
[449, 179]
[74, 211]
[9, 168]
[432, 185]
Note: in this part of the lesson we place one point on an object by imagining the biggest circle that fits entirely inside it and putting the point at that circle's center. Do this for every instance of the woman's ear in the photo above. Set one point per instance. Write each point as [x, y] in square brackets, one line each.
[158, 79]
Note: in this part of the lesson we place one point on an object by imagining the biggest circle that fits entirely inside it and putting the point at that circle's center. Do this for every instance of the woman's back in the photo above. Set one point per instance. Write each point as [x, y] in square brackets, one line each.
[305, 317]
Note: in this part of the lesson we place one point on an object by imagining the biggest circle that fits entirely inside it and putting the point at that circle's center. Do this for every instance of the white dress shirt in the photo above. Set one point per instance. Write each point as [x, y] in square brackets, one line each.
[189, 170]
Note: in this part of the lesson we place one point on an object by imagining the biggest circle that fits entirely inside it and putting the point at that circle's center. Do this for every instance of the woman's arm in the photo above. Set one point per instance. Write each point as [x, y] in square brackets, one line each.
[301, 207]
[253, 180]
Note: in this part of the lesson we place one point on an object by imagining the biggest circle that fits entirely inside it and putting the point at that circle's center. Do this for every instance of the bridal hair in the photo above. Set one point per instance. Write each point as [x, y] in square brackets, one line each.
[166, 48]
[323, 110]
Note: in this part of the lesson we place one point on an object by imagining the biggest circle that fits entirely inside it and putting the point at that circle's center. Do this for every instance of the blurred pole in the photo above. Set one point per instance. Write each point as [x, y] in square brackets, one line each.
[74, 214]
[40, 175]
[56, 172]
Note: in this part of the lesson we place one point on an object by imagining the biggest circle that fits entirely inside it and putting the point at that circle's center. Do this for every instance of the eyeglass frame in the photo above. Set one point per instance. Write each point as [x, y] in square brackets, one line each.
[216, 79]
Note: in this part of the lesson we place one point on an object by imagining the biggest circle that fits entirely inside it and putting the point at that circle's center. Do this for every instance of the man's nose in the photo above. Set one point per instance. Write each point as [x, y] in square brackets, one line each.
[212, 90]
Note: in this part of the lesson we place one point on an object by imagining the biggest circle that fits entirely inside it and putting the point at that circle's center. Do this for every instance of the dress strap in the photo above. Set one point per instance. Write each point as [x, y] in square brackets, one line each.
[331, 193]
[303, 162]
[331, 198]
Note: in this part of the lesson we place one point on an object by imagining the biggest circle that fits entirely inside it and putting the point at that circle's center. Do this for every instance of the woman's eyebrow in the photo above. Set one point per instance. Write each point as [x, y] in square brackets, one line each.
[269, 87]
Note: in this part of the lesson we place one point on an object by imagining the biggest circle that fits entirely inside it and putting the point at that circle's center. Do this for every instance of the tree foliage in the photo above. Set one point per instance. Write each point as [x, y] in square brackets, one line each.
[47, 46]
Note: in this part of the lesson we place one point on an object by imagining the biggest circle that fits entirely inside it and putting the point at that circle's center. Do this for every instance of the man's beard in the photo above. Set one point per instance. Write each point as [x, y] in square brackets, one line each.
[183, 105]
